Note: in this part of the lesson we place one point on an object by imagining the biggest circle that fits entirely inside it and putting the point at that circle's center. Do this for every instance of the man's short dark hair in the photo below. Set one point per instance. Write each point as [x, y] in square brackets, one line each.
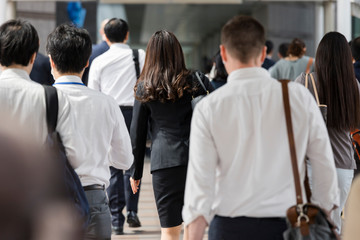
[283, 49]
[18, 42]
[69, 47]
[243, 37]
[116, 30]
[269, 46]
[355, 48]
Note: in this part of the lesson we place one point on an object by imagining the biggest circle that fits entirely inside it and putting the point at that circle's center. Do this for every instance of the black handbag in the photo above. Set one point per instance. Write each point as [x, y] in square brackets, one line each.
[323, 107]
[305, 221]
[197, 99]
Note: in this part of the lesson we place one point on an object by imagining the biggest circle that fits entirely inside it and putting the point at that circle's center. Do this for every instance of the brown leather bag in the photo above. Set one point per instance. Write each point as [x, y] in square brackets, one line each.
[305, 220]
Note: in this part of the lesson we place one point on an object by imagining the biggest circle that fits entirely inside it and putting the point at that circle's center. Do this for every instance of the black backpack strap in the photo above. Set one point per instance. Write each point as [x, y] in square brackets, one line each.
[136, 61]
[52, 107]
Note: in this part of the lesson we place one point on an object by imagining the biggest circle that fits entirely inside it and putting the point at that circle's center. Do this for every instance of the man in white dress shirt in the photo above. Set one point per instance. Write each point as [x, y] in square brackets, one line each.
[114, 73]
[23, 99]
[101, 125]
[240, 178]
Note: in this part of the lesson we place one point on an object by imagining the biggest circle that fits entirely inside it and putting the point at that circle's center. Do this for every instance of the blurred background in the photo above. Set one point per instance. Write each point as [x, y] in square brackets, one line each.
[196, 23]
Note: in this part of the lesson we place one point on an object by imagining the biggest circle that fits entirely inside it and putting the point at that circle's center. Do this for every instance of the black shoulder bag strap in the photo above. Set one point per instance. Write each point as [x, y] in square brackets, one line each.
[201, 82]
[136, 61]
[52, 107]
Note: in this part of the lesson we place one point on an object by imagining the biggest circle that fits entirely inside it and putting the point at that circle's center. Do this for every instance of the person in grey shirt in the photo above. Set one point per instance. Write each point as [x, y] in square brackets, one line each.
[294, 64]
[338, 89]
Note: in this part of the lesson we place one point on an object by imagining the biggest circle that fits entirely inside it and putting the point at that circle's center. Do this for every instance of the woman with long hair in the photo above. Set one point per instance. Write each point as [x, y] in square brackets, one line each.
[163, 97]
[294, 64]
[338, 89]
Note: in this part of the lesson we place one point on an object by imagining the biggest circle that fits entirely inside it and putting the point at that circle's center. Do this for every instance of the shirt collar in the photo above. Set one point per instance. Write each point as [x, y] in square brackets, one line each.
[69, 78]
[15, 72]
[120, 45]
[246, 73]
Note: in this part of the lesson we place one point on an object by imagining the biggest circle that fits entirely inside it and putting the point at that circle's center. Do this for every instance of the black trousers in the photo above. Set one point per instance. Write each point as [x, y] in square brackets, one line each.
[119, 191]
[226, 228]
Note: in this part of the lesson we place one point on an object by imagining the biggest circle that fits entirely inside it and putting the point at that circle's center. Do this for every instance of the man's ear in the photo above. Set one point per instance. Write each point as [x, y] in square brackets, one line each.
[107, 40]
[127, 37]
[52, 64]
[223, 53]
[87, 64]
[32, 59]
[263, 54]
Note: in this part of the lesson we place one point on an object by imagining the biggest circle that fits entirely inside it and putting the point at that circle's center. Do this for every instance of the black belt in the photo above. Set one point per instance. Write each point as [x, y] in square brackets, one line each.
[94, 187]
[126, 107]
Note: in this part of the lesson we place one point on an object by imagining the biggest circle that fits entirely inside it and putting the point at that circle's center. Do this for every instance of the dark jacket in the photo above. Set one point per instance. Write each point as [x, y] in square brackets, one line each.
[268, 63]
[357, 70]
[169, 125]
[41, 71]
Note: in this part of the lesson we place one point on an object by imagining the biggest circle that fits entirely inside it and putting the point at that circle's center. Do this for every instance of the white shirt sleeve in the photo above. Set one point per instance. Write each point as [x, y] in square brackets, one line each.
[325, 192]
[141, 59]
[203, 159]
[120, 155]
[94, 76]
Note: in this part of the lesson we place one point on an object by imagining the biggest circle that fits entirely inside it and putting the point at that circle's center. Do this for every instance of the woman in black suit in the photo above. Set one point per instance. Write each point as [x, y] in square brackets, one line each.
[163, 104]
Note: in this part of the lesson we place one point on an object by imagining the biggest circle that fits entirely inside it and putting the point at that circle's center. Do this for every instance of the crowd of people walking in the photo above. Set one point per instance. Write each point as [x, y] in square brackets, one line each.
[222, 162]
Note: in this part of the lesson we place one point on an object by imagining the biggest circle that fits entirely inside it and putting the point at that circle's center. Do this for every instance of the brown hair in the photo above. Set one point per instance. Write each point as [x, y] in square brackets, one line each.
[338, 88]
[164, 77]
[243, 37]
[296, 48]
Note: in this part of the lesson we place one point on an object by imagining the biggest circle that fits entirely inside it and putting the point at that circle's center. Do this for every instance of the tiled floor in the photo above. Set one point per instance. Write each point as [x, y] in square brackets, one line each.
[150, 228]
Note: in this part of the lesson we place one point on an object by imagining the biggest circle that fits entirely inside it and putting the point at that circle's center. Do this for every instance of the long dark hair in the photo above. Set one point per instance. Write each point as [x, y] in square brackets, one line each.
[164, 77]
[221, 74]
[338, 88]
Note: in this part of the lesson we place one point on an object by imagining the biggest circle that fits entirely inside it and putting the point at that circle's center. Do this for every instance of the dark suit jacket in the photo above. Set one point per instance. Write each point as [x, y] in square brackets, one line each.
[169, 125]
[268, 63]
[97, 50]
[357, 70]
[41, 71]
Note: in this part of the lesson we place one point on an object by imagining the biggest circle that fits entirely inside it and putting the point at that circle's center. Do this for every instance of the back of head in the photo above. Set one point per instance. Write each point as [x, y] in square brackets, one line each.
[116, 30]
[338, 87]
[18, 42]
[269, 46]
[164, 74]
[243, 37]
[355, 48]
[296, 48]
[283, 49]
[70, 48]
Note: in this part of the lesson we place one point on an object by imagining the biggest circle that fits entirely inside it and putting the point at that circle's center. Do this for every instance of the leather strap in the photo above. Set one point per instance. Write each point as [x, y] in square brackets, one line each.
[52, 107]
[313, 86]
[285, 92]
[310, 62]
[201, 82]
[136, 61]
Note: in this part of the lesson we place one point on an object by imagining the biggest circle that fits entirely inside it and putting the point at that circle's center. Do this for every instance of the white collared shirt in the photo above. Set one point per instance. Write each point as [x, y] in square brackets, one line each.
[113, 73]
[101, 127]
[23, 100]
[240, 161]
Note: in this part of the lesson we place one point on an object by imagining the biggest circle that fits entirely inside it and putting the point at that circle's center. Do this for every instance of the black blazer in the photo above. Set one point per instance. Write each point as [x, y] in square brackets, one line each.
[169, 125]
[41, 71]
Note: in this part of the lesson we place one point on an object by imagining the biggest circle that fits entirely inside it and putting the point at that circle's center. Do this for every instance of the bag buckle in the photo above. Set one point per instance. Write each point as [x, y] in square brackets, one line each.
[302, 215]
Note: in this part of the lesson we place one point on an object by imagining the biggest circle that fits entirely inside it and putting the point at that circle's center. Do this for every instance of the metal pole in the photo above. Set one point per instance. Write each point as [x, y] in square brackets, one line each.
[319, 23]
[329, 18]
[343, 18]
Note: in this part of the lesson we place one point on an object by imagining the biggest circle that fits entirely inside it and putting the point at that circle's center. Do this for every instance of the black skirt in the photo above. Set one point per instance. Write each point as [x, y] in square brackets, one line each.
[169, 188]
